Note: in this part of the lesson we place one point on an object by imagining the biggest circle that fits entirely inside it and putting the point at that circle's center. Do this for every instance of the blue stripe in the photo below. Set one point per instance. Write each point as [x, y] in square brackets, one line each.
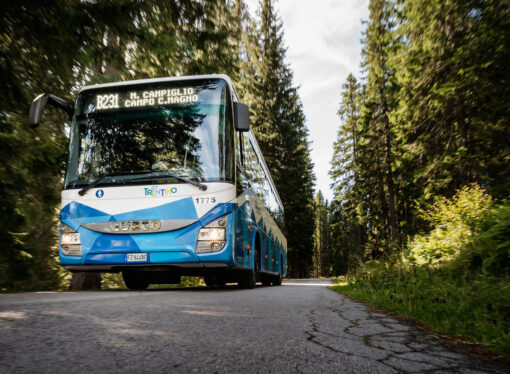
[115, 243]
[180, 209]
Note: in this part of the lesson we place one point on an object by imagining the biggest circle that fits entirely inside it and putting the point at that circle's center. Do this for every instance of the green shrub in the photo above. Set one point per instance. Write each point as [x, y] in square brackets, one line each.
[455, 222]
[489, 251]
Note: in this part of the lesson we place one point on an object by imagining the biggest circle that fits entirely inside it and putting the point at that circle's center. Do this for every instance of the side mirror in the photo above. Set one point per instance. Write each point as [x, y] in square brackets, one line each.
[241, 117]
[40, 102]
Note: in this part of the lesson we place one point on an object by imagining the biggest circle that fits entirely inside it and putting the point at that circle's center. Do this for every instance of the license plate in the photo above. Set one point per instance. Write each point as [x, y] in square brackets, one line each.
[136, 257]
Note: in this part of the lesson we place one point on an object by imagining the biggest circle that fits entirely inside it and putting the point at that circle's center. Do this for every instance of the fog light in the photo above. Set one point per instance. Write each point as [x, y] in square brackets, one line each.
[216, 246]
[208, 246]
[71, 250]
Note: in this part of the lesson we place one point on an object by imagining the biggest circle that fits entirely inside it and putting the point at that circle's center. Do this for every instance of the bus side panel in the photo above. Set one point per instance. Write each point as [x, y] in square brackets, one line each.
[244, 235]
[272, 254]
[266, 245]
[284, 267]
[254, 217]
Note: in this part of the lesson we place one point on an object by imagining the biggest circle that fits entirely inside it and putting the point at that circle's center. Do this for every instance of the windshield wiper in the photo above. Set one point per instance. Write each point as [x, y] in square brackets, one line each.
[84, 190]
[166, 174]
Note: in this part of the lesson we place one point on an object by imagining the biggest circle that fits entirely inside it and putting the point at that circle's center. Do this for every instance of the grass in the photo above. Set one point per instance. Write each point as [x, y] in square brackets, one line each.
[113, 281]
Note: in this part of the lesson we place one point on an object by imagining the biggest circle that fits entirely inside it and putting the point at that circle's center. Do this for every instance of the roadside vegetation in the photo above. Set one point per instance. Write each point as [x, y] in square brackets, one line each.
[454, 279]
[420, 220]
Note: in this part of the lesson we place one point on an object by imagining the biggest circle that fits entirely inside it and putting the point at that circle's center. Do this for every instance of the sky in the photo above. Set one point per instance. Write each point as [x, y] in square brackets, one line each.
[323, 46]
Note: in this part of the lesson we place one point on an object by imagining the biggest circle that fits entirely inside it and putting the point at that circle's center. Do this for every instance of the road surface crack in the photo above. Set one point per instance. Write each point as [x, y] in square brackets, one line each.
[381, 338]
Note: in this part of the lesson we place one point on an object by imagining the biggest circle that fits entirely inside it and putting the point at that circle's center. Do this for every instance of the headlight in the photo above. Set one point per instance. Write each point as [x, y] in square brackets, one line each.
[212, 237]
[70, 241]
[69, 238]
[211, 234]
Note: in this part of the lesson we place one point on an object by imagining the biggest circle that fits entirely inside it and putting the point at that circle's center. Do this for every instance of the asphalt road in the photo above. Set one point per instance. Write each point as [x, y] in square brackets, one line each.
[300, 327]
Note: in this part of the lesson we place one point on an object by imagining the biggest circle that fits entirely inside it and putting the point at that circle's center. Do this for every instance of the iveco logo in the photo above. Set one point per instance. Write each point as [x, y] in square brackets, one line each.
[133, 226]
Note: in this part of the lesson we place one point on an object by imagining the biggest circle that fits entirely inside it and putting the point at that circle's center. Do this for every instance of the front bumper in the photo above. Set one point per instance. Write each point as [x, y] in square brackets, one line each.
[191, 267]
[108, 252]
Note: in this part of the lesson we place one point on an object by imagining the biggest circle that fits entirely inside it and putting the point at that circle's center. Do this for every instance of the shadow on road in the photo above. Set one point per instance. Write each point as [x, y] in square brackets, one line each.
[232, 287]
[227, 288]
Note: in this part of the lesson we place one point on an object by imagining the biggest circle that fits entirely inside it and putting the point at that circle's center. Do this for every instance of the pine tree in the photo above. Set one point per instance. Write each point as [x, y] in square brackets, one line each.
[188, 37]
[321, 252]
[344, 164]
[454, 74]
[278, 121]
[376, 148]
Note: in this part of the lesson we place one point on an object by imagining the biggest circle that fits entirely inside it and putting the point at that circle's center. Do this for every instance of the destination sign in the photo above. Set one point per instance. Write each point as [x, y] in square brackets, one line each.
[147, 98]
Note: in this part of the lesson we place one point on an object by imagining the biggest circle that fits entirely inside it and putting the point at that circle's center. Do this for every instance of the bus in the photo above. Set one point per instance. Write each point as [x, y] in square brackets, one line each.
[164, 179]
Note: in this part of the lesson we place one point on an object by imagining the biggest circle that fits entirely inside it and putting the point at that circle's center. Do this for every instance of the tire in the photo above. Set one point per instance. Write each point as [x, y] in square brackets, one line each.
[277, 280]
[214, 281]
[135, 280]
[247, 279]
[221, 283]
[266, 281]
[209, 281]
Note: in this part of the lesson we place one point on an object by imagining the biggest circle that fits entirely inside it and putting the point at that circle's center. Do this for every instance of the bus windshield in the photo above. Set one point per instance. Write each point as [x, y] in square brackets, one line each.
[183, 127]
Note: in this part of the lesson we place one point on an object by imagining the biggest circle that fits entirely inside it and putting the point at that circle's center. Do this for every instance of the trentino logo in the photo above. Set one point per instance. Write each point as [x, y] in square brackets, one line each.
[157, 191]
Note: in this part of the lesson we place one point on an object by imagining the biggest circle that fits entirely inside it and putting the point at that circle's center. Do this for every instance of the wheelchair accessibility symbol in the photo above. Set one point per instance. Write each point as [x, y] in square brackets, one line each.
[99, 194]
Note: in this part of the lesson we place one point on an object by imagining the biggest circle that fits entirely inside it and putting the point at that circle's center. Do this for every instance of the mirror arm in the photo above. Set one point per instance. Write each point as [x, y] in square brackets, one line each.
[40, 103]
[62, 104]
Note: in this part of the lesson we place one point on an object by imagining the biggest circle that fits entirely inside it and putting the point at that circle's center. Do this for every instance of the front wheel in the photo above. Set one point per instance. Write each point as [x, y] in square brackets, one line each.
[247, 279]
[135, 280]
[214, 281]
[209, 281]
[265, 279]
[277, 280]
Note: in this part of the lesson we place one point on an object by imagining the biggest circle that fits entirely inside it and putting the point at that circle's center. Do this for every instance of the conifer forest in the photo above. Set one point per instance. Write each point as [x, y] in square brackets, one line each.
[420, 166]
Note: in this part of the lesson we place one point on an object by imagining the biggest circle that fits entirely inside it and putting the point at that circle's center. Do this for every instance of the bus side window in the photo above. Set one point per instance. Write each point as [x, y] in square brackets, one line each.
[252, 168]
[238, 144]
[242, 183]
[238, 164]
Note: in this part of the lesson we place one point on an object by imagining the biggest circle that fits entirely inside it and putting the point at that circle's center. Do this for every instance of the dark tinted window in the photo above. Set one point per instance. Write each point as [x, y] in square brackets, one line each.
[258, 176]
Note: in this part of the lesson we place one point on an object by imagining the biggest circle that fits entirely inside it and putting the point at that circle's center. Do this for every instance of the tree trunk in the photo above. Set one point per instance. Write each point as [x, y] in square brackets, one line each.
[85, 281]
[391, 187]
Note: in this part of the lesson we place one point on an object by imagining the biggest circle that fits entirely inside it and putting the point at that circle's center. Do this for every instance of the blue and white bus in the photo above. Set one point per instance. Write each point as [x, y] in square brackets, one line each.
[165, 178]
